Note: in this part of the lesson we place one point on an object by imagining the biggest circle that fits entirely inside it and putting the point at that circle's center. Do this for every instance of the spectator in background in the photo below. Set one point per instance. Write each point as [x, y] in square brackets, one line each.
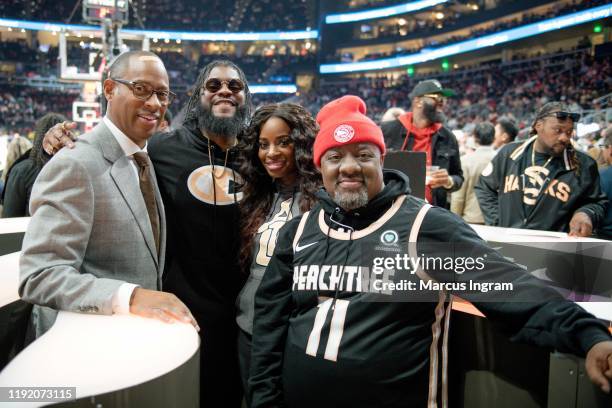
[597, 148]
[421, 130]
[505, 132]
[463, 201]
[16, 196]
[16, 148]
[606, 183]
[543, 183]
[16, 151]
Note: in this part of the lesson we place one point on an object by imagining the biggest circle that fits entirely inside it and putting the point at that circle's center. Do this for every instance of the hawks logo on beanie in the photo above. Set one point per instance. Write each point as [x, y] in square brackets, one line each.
[343, 121]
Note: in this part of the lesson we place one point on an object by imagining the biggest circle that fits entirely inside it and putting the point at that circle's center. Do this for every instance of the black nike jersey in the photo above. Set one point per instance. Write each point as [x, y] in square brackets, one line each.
[352, 319]
[346, 332]
[329, 332]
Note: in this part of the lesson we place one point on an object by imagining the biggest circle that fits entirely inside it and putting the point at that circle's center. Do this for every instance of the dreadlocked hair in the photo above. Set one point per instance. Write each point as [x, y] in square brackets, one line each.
[258, 187]
[190, 112]
[42, 127]
[547, 110]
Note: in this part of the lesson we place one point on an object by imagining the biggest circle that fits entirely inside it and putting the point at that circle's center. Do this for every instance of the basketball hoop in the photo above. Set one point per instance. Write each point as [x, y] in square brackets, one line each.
[87, 113]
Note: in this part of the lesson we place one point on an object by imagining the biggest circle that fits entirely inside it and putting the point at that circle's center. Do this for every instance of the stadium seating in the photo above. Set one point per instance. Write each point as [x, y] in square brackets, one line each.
[423, 29]
[189, 15]
[514, 88]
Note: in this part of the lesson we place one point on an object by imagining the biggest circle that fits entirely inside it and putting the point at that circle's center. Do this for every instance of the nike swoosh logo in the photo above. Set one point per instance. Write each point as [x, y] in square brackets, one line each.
[298, 248]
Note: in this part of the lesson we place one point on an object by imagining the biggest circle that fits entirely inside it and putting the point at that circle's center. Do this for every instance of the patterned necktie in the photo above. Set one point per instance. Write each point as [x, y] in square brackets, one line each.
[148, 193]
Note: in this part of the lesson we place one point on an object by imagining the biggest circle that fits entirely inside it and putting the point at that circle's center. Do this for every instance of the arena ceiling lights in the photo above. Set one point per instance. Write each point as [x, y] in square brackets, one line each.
[170, 35]
[557, 23]
[382, 12]
[194, 36]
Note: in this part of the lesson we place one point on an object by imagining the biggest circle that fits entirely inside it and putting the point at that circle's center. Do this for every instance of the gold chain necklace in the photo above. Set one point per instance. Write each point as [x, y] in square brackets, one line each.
[210, 161]
[533, 158]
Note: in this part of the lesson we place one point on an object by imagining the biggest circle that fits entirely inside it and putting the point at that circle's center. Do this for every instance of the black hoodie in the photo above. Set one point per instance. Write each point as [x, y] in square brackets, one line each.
[201, 260]
[396, 184]
[324, 336]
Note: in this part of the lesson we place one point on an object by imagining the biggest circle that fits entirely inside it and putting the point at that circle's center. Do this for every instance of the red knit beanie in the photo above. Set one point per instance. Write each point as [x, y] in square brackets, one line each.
[343, 121]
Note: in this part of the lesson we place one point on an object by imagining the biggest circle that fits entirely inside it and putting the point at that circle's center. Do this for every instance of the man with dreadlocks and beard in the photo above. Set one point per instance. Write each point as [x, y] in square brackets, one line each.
[421, 130]
[195, 167]
[543, 183]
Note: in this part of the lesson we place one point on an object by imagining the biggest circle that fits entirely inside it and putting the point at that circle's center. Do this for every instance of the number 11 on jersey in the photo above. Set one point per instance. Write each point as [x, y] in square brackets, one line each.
[336, 328]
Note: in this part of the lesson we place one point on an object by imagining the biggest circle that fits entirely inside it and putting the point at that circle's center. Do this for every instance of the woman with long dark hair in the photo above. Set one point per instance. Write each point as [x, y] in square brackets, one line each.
[280, 181]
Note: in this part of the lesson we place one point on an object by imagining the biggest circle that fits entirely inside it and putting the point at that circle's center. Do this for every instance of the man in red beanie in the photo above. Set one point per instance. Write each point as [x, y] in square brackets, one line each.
[343, 123]
[336, 321]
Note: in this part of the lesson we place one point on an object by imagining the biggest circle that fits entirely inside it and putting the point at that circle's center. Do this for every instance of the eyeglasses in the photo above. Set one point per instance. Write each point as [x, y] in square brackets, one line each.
[214, 85]
[565, 115]
[144, 91]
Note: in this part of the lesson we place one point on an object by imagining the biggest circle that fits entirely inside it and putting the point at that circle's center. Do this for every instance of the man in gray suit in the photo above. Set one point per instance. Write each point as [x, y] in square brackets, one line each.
[96, 240]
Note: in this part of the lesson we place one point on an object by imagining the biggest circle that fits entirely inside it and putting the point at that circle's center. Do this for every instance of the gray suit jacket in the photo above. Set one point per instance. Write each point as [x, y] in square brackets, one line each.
[89, 232]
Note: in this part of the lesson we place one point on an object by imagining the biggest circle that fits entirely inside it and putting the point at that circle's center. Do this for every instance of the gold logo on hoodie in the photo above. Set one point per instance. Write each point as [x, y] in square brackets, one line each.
[216, 189]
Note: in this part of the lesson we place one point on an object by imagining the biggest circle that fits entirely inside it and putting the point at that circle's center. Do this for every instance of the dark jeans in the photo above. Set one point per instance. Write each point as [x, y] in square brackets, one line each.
[219, 373]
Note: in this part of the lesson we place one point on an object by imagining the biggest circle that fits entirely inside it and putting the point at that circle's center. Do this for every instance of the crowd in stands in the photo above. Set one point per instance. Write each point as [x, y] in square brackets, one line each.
[21, 106]
[188, 15]
[27, 61]
[354, 5]
[184, 15]
[270, 15]
[426, 25]
[427, 28]
[515, 88]
[268, 68]
[264, 69]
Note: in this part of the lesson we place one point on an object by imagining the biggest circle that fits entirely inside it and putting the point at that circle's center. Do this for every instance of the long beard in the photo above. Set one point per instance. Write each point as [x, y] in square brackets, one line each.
[229, 127]
[351, 200]
[432, 114]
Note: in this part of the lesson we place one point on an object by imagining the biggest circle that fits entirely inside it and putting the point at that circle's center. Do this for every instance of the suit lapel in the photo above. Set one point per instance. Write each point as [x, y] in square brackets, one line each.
[125, 179]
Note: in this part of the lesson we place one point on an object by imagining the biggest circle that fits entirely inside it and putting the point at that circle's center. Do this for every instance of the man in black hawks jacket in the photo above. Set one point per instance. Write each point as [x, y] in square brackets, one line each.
[543, 183]
[336, 323]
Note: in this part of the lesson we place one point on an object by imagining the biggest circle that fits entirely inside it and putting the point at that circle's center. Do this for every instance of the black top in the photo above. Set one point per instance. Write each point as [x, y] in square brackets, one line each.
[285, 206]
[18, 189]
[203, 237]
